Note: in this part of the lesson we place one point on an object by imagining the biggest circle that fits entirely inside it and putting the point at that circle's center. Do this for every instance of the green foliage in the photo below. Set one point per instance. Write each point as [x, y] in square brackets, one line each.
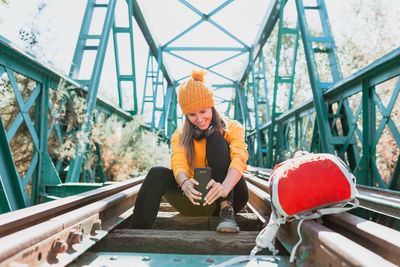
[68, 110]
[128, 149]
[369, 32]
[36, 37]
[364, 31]
[21, 144]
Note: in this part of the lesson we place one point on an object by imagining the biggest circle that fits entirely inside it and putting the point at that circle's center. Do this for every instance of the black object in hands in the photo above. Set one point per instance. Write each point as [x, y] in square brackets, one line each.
[202, 176]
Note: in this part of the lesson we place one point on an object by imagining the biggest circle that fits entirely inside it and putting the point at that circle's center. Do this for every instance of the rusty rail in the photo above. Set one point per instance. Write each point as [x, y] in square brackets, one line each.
[383, 201]
[341, 239]
[59, 231]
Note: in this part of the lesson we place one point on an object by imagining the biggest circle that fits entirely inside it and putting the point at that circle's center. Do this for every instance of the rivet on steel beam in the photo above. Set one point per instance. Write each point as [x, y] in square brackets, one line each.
[146, 258]
[60, 246]
[113, 258]
[75, 237]
[210, 260]
[177, 259]
[96, 226]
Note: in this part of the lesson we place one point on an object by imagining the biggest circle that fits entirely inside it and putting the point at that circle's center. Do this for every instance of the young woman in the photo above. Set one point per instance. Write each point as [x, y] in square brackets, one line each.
[205, 140]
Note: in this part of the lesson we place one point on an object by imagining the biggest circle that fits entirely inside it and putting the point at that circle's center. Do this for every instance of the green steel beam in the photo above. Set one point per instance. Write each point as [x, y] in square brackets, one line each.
[150, 75]
[115, 32]
[12, 196]
[207, 17]
[83, 36]
[364, 82]
[172, 117]
[293, 123]
[41, 127]
[70, 189]
[93, 85]
[317, 90]
[155, 50]
[258, 83]
[266, 28]
[394, 183]
[327, 120]
[24, 109]
[202, 67]
[263, 76]
[241, 109]
[280, 79]
[131, 78]
[150, 39]
[41, 170]
[293, 68]
[166, 115]
[178, 260]
[203, 48]
[328, 132]
[258, 123]
[209, 68]
[364, 170]
[23, 63]
[270, 18]
[18, 61]
[156, 71]
[202, 19]
[158, 85]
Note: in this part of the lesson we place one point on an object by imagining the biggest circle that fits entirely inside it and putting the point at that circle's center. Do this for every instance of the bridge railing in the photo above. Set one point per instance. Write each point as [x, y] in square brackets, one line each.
[30, 125]
[372, 94]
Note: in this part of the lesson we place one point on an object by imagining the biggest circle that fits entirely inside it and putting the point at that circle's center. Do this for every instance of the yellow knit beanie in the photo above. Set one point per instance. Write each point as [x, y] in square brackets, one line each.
[194, 94]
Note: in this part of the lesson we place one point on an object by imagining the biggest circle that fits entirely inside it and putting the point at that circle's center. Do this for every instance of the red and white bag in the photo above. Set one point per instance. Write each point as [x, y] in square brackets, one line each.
[303, 188]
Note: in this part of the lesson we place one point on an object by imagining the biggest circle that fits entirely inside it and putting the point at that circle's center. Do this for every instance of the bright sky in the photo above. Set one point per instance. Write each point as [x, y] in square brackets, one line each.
[60, 24]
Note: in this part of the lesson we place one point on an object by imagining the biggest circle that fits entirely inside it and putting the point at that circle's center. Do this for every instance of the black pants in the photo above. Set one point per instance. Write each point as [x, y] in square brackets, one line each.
[160, 182]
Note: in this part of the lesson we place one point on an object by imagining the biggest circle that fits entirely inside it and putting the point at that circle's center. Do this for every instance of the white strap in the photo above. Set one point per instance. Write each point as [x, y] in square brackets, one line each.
[326, 211]
[293, 252]
[267, 235]
[316, 215]
[254, 251]
[240, 259]
[232, 261]
[264, 239]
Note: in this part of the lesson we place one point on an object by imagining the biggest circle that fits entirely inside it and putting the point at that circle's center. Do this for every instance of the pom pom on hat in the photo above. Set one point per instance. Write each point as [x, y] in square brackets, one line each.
[194, 94]
[198, 75]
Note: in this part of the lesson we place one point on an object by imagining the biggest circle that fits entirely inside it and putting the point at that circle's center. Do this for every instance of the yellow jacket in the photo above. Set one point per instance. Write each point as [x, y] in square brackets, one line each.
[234, 135]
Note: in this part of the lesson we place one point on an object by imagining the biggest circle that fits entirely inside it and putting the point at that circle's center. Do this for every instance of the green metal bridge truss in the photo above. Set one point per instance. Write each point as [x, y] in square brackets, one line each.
[345, 117]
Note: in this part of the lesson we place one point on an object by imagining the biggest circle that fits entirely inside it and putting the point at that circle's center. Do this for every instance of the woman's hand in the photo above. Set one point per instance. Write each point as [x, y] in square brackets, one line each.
[190, 192]
[217, 190]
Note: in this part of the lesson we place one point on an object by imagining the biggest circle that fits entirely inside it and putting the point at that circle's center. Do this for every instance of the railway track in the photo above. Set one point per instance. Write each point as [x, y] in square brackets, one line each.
[340, 239]
[91, 229]
[57, 232]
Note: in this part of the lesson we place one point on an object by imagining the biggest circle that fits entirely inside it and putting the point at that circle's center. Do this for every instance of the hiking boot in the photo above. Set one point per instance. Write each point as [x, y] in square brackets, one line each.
[226, 221]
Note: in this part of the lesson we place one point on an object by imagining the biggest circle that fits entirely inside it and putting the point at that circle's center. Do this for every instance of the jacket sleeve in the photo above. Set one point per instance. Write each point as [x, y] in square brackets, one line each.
[237, 146]
[178, 158]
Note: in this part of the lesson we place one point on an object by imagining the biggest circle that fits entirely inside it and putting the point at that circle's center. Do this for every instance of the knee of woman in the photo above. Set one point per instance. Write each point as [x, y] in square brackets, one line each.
[217, 143]
[156, 169]
[215, 137]
[158, 172]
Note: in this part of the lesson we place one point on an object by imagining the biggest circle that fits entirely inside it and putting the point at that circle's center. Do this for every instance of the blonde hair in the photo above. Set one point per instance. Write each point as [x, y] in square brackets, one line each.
[186, 138]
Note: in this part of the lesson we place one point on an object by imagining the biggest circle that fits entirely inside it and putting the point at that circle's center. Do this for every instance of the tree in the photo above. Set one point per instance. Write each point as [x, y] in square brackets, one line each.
[35, 35]
[370, 33]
